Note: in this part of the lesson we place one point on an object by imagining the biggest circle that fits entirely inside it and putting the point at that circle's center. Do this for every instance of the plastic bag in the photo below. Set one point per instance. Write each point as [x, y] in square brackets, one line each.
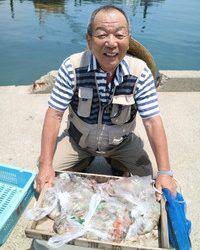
[116, 211]
[49, 204]
[65, 196]
[110, 222]
[179, 226]
[78, 228]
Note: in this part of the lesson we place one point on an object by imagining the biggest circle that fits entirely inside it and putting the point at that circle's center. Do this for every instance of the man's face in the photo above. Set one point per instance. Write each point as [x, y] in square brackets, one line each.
[110, 39]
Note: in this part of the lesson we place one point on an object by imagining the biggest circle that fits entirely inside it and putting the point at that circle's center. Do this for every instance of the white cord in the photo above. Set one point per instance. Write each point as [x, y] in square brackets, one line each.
[154, 187]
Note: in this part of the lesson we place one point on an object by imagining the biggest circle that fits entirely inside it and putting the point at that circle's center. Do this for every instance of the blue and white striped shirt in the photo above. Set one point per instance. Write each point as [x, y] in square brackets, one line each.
[145, 91]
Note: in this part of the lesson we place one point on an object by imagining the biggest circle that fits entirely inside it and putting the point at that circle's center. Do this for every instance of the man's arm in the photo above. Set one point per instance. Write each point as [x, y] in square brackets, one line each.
[50, 132]
[59, 100]
[158, 141]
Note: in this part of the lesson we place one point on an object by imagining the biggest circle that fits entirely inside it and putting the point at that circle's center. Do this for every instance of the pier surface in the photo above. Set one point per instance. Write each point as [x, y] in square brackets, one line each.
[22, 117]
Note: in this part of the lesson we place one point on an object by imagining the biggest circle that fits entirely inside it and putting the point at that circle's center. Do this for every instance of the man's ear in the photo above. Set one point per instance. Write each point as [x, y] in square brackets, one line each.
[89, 41]
[129, 37]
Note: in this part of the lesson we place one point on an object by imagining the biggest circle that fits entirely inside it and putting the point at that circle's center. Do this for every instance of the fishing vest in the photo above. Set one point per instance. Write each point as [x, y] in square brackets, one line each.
[87, 124]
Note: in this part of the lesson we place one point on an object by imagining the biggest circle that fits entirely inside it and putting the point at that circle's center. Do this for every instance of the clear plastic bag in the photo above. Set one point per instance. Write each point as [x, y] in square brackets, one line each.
[121, 210]
[76, 229]
[49, 204]
[65, 196]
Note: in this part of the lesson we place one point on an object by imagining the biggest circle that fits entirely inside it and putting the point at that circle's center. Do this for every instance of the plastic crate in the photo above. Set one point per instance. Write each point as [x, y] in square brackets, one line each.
[16, 190]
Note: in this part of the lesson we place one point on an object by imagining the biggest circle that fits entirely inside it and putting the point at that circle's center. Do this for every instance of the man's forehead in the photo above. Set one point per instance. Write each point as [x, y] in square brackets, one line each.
[104, 26]
[110, 17]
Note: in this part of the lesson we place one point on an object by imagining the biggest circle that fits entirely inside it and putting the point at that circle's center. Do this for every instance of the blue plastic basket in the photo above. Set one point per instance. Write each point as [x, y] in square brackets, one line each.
[16, 190]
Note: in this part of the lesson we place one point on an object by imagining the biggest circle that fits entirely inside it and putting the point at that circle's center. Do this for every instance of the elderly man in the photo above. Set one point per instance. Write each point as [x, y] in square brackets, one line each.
[103, 88]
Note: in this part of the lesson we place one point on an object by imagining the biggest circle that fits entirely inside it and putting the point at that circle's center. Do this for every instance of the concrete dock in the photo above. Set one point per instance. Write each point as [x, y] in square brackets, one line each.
[22, 117]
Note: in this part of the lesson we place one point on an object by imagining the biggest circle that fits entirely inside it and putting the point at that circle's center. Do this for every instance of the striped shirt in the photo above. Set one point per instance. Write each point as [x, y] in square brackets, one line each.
[145, 92]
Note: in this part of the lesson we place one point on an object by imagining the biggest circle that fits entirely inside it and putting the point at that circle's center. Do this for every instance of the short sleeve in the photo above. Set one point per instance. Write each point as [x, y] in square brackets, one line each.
[146, 96]
[63, 90]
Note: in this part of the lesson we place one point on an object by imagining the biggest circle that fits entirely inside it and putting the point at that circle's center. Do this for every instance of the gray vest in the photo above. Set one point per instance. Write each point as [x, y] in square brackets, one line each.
[89, 124]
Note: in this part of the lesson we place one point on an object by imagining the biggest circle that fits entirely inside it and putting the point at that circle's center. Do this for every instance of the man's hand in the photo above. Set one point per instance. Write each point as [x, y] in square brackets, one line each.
[165, 181]
[45, 175]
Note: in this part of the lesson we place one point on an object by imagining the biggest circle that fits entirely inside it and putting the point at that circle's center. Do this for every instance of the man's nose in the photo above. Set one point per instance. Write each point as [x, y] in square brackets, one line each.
[111, 41]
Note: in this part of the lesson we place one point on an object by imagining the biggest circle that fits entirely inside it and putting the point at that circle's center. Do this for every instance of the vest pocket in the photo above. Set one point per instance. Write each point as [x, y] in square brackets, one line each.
[85, 101]
[121, 109]
[115, 137]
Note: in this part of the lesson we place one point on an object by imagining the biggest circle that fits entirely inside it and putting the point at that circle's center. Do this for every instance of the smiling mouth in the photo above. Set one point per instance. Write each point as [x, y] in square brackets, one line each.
[111, 55]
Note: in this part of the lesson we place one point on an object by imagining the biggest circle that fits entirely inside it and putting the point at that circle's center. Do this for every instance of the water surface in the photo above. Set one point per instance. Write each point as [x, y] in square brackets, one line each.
[36, 36]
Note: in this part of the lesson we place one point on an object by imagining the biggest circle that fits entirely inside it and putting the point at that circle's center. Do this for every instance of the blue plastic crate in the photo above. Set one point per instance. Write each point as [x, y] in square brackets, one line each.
[16, 190]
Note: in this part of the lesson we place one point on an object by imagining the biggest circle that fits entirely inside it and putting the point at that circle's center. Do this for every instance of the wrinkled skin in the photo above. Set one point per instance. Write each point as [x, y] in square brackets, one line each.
[110, 39]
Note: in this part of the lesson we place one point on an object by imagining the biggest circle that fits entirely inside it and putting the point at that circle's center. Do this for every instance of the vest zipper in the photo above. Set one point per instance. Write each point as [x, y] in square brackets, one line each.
[101, 110]
[100, 113]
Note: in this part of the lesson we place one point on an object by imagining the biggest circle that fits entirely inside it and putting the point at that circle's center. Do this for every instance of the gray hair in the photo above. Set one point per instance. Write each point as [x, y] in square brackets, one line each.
[104, 8]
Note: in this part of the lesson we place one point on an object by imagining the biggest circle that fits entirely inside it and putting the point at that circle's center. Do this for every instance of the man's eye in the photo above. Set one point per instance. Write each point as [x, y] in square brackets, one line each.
[102, 36]
[119, 36]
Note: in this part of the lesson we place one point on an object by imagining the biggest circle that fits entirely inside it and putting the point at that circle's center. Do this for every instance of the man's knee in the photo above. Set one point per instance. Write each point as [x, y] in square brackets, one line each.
[142, 161]
[143, 170]
[137, 163]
